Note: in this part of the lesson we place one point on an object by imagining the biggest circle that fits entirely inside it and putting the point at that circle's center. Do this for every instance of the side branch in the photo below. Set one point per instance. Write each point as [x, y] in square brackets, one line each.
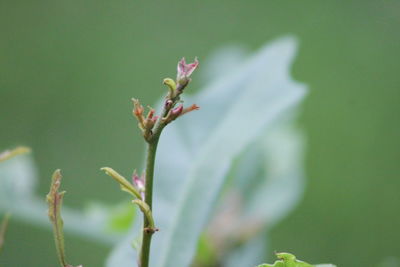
[54, 199]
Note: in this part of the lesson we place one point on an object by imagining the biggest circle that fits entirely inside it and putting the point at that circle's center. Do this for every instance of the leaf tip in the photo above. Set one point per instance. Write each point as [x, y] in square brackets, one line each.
[106, 169]
[8, 154]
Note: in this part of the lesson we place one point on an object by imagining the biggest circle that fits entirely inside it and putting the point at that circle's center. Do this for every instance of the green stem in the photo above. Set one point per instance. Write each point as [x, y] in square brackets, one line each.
[146, 212]
[150, 160]
[148, 199]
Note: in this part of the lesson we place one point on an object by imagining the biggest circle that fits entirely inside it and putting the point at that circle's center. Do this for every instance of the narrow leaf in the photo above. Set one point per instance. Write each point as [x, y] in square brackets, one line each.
[14, 152]
[125, 185]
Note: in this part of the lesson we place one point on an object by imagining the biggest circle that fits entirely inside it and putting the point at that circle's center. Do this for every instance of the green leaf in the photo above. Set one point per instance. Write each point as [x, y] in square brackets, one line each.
[267, 94]
[8, 154]
[125, 185]
[265, 193]
[197, 151]
[222, 61]
[267, 182]
[289, 260]
[122, 219]
[18, 179]
[271, 194]
[206, 253]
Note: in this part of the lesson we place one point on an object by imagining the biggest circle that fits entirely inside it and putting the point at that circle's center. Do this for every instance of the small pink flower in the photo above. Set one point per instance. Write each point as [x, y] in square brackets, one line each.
[185, 70]
[139, 183]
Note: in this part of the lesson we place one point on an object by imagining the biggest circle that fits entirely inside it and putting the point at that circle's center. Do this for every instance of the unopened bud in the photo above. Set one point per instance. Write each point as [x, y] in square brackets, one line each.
[137, 107]
[150, 121]
[178, 110]
[189, 109]
[139, 183]
[173, 114]
[151, 113]
[138, 112]
[183, 73]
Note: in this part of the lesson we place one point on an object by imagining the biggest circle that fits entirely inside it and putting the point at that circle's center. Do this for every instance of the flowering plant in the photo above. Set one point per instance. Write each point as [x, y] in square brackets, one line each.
[223, 176]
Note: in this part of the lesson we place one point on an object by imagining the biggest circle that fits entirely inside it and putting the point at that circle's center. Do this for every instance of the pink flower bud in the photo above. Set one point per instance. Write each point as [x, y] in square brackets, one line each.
[138, 181]
[185, 70]
[178, 110]
[154, 119]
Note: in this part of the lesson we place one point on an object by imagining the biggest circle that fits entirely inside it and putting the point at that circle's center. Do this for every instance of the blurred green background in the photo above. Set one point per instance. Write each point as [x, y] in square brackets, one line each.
[69, 68]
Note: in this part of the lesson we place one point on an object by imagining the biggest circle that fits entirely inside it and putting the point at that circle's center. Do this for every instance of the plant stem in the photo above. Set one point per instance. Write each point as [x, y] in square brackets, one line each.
[148, 199]
[147, 234]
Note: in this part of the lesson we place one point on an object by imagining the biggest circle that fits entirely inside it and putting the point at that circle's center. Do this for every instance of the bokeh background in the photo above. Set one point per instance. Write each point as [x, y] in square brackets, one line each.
[69, 68]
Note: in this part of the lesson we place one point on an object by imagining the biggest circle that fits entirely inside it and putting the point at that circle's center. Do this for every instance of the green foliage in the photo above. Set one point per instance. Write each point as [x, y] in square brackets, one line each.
[289, 260]
[206, 254]
[121, 217]
[237, 109]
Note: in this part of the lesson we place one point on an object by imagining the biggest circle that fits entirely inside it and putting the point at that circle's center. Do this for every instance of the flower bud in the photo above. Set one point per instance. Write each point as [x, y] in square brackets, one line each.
[139, 183]
[177, 111]
[138, 113]
[189, 109]
[173, 114]
[183, 73]
[150, 120]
